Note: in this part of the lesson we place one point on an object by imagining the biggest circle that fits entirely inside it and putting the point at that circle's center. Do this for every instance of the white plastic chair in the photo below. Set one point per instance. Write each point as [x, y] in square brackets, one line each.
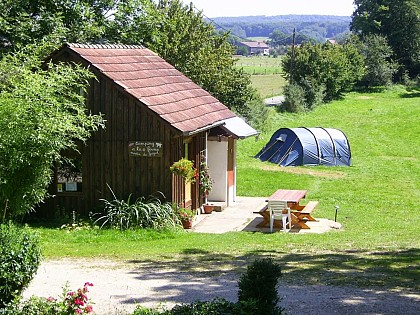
[279, 210]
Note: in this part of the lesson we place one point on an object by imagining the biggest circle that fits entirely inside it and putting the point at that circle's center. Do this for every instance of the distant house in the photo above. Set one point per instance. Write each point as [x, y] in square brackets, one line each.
[332, 41]
[256, 48]
[154, 116]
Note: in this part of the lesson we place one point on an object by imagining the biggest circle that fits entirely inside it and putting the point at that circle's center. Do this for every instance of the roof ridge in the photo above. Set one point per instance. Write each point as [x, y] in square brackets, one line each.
[104, 46]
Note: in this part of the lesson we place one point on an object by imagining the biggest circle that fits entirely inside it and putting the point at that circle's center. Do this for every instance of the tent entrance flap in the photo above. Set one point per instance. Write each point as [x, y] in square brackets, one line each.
[307, 146]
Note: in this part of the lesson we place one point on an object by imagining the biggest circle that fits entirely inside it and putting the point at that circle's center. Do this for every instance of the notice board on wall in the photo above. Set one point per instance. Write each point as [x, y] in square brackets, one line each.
[145, 148]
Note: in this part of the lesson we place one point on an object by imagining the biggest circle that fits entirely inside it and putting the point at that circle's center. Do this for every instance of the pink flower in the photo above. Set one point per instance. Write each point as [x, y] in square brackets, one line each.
[89, 309]
[78, 311]
[78, 301]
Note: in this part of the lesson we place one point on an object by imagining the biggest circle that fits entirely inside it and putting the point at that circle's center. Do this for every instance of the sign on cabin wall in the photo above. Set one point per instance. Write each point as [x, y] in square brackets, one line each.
[145, 148]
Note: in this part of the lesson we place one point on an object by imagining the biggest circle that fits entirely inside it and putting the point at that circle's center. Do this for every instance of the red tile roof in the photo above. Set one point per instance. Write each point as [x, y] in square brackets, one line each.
[157, 84]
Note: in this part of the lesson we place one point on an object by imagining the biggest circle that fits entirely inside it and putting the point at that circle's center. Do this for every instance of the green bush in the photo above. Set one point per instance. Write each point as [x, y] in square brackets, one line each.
[33, 306]
[20, 257]
[218, 306]
[294, 101]
[259, 284]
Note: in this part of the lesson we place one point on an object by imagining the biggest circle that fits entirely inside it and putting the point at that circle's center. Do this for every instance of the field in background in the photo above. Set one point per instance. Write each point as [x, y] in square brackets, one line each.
[266, 74]
[260, 65]
[268, 85]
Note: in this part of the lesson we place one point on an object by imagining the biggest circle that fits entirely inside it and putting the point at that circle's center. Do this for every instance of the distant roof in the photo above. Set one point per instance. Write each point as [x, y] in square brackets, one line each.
[157, 84]
[255, 44]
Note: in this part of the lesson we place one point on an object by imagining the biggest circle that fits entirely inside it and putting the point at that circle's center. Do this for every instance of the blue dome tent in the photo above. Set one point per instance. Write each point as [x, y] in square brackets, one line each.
[307, 146]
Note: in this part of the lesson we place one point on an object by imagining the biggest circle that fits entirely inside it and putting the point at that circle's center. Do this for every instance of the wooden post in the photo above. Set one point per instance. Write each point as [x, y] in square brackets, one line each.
[4, 212]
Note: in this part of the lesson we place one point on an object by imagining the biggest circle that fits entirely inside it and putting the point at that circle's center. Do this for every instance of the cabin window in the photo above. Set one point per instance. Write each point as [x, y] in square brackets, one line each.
[69, 173]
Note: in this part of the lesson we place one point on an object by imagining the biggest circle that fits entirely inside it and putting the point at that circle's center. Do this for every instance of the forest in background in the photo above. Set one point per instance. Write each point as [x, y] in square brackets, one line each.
[318, 27]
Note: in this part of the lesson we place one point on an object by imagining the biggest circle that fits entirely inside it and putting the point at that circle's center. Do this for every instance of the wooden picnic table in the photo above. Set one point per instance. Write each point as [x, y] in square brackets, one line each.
[298, 214]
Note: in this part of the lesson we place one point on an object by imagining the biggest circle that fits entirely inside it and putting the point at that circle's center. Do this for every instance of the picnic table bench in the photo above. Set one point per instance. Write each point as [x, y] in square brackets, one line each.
[299, 213]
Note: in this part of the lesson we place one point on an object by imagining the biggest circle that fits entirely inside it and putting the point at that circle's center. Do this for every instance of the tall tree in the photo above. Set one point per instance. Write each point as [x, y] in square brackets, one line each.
[398, 21]
[176, 32]
[26, 21]
[41, 113]
[179, 35]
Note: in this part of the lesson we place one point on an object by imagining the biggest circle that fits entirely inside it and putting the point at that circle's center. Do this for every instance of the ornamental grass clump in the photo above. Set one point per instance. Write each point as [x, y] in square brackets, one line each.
[122, 215]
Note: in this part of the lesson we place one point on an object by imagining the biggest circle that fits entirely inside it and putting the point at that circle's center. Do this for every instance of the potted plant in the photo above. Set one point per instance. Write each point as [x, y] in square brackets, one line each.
[205, 183]
[186, 216]
[185, 169]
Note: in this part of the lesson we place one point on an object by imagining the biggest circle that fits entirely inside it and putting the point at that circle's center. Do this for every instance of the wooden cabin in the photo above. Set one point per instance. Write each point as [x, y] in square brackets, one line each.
[154, 116]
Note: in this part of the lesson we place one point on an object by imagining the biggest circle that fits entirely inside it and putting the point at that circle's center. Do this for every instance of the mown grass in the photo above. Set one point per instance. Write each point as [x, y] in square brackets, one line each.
[378, 198]
[268, 85]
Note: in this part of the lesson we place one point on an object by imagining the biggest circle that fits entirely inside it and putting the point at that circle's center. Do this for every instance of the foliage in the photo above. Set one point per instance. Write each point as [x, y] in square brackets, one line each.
[205, 180]
[259, 284]
[294, 98]
[315, 26]
[333, 67]
[27, 22]
[278, 38]
[41, 114]
[379, 67]
[123, 215]
[171, 29]
[20, 257]
[70, 303]
[182, 38]
[184, 214]
[184, 168]
[396, 20]
[217, 306]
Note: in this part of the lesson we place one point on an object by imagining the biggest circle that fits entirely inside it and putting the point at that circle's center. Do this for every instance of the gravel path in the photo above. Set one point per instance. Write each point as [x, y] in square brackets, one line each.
[119, 286]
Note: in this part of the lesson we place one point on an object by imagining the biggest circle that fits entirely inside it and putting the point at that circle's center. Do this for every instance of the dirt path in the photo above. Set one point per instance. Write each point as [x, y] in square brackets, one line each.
[119, 286]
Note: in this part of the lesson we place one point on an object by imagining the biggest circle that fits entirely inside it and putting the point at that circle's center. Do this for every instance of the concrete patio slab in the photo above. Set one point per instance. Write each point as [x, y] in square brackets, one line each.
[241, 217]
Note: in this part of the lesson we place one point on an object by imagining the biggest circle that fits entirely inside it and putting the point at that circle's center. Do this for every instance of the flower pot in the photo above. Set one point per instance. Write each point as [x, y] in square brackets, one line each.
[208, 209]
[187, 224]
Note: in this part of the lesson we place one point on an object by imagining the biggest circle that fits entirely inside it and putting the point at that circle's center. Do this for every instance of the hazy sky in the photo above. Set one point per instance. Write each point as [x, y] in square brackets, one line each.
[219, 8]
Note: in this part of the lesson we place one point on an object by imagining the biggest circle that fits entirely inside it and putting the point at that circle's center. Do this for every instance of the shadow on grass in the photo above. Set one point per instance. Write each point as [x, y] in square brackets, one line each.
[361, 276]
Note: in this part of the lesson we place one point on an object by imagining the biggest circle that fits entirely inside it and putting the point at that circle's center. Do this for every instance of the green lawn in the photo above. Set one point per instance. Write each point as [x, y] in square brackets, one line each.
[378, 198]
[268, 84]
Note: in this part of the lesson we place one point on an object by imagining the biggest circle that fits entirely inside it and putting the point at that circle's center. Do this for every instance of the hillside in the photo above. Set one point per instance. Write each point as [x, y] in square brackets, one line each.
[318, 27]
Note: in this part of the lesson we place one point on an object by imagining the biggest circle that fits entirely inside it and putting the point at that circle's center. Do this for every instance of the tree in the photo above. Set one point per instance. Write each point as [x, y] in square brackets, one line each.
[25, 22]
[333, 68]
[398, 21]
[181, 37]
[42, 113]
[379, 67]
[174, 31]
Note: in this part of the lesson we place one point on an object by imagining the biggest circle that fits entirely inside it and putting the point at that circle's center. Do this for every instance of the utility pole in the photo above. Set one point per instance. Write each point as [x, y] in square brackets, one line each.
[293, 55]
